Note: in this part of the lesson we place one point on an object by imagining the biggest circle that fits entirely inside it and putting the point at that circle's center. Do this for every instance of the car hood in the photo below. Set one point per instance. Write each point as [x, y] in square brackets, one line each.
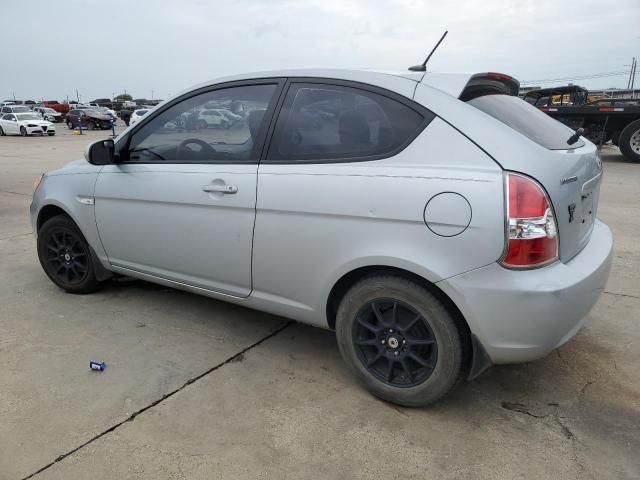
[34, 122]
[73, 168]
[98, 116]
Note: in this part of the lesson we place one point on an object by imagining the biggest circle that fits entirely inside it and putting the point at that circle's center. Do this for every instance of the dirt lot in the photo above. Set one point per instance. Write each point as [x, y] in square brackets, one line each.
[196, 388]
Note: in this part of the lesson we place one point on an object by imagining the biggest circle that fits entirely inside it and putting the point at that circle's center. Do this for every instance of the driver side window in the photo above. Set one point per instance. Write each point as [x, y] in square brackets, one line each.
[219, 126]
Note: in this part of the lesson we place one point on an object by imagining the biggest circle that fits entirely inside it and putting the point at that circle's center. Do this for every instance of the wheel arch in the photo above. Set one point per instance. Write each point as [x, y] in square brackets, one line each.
[476, 359]
[51, 210]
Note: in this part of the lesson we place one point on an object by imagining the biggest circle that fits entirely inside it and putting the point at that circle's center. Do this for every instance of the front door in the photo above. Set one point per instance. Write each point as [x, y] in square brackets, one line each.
[9, 124]
[181, 203]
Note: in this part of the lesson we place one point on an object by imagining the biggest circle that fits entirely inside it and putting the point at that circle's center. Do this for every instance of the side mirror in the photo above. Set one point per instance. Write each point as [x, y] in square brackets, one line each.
[101, 152]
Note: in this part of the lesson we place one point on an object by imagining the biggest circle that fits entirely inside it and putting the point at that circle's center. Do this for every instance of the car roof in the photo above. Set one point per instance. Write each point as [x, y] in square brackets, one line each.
[451, 83]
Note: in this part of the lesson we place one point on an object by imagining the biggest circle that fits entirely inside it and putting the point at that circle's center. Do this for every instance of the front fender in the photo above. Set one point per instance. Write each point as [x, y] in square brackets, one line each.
[65, 193]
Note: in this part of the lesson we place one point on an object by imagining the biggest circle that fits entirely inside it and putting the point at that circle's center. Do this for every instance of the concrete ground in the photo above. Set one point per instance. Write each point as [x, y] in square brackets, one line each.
[196, 388]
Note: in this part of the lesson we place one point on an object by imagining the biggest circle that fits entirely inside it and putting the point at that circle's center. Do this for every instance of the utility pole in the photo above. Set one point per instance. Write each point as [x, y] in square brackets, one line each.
[633, 62]
[633, 76]
[151, 94]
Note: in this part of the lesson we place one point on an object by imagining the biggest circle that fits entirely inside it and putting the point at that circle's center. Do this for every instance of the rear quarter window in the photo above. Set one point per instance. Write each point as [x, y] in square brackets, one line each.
[527, 120]
[333, 123]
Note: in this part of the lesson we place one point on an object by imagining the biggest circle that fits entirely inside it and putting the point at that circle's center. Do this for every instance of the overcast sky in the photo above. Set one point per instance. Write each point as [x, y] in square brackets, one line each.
[102, 47]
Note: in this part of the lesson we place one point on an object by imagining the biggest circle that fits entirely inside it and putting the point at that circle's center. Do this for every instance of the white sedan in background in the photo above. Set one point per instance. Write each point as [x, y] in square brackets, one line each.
[25, 124]
[137, 115]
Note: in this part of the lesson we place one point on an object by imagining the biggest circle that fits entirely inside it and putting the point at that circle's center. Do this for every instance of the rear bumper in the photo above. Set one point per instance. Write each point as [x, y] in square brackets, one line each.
[519, 316]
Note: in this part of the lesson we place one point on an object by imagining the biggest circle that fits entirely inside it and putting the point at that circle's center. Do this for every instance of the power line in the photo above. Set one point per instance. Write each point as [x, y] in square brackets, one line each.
[578, 77]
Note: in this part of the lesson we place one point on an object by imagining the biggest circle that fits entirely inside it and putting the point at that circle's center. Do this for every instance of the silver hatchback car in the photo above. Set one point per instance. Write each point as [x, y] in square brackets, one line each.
[436, 222]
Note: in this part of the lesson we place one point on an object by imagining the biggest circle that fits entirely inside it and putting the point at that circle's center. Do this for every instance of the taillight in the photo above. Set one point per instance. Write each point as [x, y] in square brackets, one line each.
[532, 237]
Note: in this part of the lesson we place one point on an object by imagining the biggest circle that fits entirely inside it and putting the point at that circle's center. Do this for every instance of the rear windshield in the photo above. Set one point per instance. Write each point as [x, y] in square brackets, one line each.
[527, 120]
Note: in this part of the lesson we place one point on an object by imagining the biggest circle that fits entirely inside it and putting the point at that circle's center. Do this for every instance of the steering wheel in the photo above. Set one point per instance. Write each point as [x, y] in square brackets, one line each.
[205, 149]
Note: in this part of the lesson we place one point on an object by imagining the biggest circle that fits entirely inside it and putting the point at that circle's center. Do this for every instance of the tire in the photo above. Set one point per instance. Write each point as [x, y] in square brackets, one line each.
[422, 318]
[91, 126]
[629, 141]
[2, 134]
[69, 125]
[52, 134]
[65, 256]
[23, 131]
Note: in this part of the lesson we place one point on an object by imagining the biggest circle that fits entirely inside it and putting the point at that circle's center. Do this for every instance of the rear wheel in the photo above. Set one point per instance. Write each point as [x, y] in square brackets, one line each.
[91, 126]
[65, 256]
[629, 141]
[399, 340]
[69, 125]
[23, 131]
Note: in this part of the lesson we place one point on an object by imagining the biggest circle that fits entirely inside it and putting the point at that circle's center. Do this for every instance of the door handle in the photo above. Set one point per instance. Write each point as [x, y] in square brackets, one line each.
[220, 189]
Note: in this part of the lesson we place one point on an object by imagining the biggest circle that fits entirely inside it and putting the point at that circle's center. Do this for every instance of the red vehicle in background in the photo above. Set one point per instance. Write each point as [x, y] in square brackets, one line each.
[63, 108]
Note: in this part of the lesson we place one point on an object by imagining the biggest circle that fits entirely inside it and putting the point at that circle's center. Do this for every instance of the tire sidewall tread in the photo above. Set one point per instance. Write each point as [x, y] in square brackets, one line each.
[450, 360]
[90, 283]
[624, 141]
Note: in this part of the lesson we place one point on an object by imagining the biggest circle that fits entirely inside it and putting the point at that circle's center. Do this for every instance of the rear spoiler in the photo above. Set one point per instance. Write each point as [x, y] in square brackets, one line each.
[466, 86]
[489, 83]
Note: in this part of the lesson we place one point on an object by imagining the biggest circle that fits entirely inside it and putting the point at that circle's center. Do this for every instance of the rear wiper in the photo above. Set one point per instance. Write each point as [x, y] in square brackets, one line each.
[575, 137]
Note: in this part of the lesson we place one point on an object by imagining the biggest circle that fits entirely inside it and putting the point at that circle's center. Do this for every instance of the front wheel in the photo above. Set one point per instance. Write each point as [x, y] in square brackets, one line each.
[629, 141]
[400, 341]
[23, 131]
[65, 256]
[52, 134]
[1, 132]
[69, 125]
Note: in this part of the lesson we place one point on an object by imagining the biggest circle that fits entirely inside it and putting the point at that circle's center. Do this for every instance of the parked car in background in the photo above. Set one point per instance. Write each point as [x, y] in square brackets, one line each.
[107, 111]
[15, 109]
[127, 111]
[438, 223]
[25, 124]
[88, 118]
[214, 119]
[49, 114]
[137, 115]
[63, 108]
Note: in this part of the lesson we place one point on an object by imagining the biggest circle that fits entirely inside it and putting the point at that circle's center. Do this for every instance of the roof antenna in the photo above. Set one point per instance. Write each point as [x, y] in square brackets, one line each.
[423, 67]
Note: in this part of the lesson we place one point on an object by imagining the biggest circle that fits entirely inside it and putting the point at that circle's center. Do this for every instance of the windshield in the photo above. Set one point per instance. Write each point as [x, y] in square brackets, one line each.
[20, 109]
[49, 110]
[527, 120]
[28, 116]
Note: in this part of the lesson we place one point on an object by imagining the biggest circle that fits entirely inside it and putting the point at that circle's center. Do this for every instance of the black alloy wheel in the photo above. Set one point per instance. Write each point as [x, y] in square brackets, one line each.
[65, 256]
[395, 343]
[67, 259]
[400, 340]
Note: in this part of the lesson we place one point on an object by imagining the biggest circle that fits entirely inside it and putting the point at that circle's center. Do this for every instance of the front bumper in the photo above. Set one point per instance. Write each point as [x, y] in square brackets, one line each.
[40, 130]
[519, 316]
